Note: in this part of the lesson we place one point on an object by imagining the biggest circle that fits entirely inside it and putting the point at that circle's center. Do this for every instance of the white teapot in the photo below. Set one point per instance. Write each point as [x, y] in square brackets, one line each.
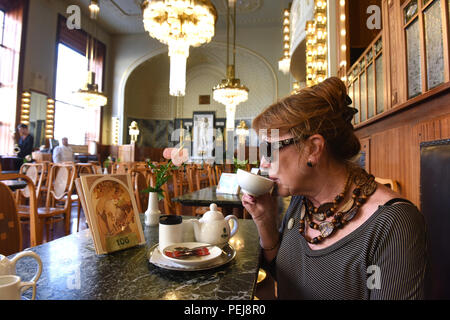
[213, 228]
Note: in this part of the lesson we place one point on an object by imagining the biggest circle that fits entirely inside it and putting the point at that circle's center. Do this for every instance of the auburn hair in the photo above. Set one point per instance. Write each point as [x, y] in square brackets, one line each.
[320, 109]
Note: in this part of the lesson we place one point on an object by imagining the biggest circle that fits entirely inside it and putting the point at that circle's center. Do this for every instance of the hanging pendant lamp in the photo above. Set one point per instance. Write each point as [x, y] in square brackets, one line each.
[89, 96]
[230, 91]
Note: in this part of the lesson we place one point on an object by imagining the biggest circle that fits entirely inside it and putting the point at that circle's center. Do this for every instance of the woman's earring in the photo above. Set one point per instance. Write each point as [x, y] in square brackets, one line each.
[309, 163]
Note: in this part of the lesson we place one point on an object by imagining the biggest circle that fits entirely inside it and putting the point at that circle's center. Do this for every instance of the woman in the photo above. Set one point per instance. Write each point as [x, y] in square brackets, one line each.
[343, 236]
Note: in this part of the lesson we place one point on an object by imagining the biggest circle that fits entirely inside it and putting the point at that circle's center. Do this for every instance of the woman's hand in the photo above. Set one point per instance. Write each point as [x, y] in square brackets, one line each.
[262, 208]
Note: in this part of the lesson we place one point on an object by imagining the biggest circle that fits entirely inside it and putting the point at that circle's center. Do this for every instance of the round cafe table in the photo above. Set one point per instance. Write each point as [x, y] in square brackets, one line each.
[14, 184]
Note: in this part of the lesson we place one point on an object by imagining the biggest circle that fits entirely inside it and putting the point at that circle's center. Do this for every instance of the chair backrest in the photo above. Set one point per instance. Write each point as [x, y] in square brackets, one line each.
[61, 182]
[97, 169]
[36, 172]
[389, 183]
[140, 183]
[10, 230]
[10, 235]
[122, 167]
[218, 168]
[84, 168]
[202, 179]
[211, 175]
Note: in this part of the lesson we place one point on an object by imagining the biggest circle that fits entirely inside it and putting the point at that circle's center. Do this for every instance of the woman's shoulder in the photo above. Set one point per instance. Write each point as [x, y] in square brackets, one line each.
[393, 209]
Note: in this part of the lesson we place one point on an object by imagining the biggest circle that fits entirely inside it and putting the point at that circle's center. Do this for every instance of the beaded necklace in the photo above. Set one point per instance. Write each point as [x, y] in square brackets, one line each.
[365, 187]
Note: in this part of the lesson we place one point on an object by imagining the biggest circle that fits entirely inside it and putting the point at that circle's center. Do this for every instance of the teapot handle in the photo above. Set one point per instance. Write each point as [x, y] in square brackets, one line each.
[236, 225]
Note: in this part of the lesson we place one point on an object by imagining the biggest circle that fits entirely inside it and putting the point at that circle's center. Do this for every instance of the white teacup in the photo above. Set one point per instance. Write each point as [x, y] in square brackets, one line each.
[253, 184]
[8, 267]
[12, 287]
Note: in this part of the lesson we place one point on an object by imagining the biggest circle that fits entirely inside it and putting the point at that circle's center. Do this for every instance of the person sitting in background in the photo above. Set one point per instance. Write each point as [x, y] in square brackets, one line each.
[63, 153]
[26, 141]
[25, 145]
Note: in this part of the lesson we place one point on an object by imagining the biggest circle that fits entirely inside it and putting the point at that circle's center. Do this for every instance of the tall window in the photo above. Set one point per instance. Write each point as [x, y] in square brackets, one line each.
[11, 17]
[79, 125]
[2, 25]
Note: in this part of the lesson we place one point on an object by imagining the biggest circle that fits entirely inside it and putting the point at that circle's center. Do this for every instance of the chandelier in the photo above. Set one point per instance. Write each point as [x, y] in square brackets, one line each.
[179, 24]
[230, 92]
[89, 96]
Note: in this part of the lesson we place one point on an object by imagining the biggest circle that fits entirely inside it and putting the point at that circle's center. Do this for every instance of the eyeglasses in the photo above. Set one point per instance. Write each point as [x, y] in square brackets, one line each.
[267, 147]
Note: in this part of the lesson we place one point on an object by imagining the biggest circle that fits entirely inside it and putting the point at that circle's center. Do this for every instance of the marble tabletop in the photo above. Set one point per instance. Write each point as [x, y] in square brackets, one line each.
[14, 184]
[206, 196]
[72, 271]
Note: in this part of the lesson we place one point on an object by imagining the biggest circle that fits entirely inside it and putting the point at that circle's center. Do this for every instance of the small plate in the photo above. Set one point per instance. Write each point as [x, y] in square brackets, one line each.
[214, 253]
[156, 258]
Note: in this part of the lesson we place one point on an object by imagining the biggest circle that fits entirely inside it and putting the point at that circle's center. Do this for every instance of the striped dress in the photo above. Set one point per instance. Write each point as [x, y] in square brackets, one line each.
[384, 258]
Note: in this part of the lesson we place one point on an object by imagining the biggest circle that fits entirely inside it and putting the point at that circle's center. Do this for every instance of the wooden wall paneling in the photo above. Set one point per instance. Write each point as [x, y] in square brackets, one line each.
[390, 158]
[396, 56]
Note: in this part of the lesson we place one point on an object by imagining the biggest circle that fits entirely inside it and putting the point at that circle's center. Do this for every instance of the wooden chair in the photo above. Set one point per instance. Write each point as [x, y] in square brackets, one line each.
[211, 174]
[218, 168]
[140, 183]
[388, 183]
[198, 179]
[122, 167]
[10, 233]
[36, 172]
[10, 229]
[180, 186]
[61, 184]
[80, 169]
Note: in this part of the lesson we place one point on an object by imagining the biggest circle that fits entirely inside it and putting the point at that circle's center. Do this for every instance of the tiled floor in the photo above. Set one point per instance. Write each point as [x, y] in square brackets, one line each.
[264, 290]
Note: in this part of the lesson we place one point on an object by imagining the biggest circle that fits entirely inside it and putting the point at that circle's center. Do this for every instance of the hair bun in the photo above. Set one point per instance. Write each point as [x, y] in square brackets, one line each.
[348, 113]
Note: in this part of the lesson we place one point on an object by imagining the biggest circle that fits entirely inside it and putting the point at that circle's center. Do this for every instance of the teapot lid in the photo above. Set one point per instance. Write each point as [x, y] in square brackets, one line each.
[213, 214]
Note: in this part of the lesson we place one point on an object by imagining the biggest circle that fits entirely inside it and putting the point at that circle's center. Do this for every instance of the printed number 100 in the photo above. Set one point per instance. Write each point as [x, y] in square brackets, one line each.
[122, 241]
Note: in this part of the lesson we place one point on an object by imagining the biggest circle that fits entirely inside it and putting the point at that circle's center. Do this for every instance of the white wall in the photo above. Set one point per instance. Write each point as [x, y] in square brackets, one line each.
[259, 50]
[40, 50]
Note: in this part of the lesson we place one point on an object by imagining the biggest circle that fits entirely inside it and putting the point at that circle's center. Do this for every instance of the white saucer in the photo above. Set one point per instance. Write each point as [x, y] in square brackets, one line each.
[214, 253]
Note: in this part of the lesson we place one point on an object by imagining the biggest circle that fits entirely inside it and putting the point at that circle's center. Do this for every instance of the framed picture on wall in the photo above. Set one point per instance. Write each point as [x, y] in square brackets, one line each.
[203, 134]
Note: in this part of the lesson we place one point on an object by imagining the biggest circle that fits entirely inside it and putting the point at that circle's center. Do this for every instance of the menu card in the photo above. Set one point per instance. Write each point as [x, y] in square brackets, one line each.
[228, 184]
[111, 212]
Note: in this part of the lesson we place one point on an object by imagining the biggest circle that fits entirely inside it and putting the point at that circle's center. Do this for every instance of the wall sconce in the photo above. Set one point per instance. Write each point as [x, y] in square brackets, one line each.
[25, 108]
[285, 62]
[115, 131]
[133, 131]
[242, 132]
[50, 119]
[316, 45]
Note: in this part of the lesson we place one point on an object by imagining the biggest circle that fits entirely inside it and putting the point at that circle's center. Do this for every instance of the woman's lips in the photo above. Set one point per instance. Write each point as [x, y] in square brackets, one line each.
[274, 179]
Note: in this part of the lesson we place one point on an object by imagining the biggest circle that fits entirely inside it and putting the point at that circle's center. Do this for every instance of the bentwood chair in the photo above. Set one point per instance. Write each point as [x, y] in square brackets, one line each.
[60, 187]
[140, 183]
[10, 228]
[388, 183]
[211, 174]
[80, 169]
[36, 172]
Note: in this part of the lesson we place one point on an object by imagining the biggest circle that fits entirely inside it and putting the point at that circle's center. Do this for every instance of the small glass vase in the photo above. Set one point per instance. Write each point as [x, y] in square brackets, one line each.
[152, 214]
